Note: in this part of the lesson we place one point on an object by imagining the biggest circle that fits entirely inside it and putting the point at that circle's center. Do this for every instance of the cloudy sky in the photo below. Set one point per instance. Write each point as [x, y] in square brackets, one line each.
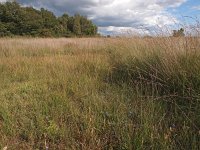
[115, 16]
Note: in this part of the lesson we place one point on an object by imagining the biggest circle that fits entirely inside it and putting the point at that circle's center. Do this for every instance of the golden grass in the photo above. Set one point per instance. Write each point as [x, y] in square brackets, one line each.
[100, 93]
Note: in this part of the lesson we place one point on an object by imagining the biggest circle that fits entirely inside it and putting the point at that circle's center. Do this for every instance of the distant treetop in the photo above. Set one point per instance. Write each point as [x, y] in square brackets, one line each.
[178, 33]
[27, 21]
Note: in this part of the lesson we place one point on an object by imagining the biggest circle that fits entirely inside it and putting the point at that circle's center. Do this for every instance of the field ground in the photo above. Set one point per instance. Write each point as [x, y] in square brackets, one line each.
[100, 93]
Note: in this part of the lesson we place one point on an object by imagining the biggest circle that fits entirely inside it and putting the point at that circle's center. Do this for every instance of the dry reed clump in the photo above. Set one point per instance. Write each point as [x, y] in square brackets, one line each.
[159, 63]
[166, 70]
[98, 93]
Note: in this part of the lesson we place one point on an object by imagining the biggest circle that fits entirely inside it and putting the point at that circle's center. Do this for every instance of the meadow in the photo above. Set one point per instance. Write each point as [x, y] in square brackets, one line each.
[100, 93]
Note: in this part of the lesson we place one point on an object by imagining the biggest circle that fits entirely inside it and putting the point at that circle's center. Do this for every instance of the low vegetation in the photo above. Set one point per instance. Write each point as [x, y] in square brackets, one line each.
[100, 93]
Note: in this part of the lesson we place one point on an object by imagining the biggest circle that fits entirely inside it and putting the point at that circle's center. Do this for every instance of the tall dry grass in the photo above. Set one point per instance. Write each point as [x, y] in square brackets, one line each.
[100, 93]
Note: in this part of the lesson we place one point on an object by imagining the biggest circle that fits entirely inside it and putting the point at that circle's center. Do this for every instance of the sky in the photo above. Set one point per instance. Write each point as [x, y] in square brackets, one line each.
[118, 16]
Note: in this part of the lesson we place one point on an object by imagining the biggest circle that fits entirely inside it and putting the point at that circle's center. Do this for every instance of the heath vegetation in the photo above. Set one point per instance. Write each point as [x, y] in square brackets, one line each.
[100, 93]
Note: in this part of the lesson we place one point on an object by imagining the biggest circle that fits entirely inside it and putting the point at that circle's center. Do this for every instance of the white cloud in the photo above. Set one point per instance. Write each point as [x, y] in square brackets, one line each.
[123, 31]
[137, 14]
[196, 7]
[170, 3]
[116, 13]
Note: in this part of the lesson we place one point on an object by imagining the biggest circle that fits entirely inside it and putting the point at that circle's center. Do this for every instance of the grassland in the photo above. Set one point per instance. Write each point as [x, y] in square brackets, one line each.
[100, 94]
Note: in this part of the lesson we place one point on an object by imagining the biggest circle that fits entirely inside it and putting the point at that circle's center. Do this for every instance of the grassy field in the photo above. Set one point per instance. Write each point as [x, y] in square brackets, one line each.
[100, 93]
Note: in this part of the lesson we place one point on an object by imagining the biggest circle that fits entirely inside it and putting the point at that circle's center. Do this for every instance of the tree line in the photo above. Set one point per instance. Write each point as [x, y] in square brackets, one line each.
[27, 21]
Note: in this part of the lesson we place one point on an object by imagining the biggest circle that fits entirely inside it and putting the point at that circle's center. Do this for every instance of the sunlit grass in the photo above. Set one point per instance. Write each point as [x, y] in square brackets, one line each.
[123, 93]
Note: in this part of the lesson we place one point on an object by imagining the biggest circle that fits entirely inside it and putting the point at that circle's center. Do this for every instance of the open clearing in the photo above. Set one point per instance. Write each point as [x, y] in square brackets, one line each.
[100, 93]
